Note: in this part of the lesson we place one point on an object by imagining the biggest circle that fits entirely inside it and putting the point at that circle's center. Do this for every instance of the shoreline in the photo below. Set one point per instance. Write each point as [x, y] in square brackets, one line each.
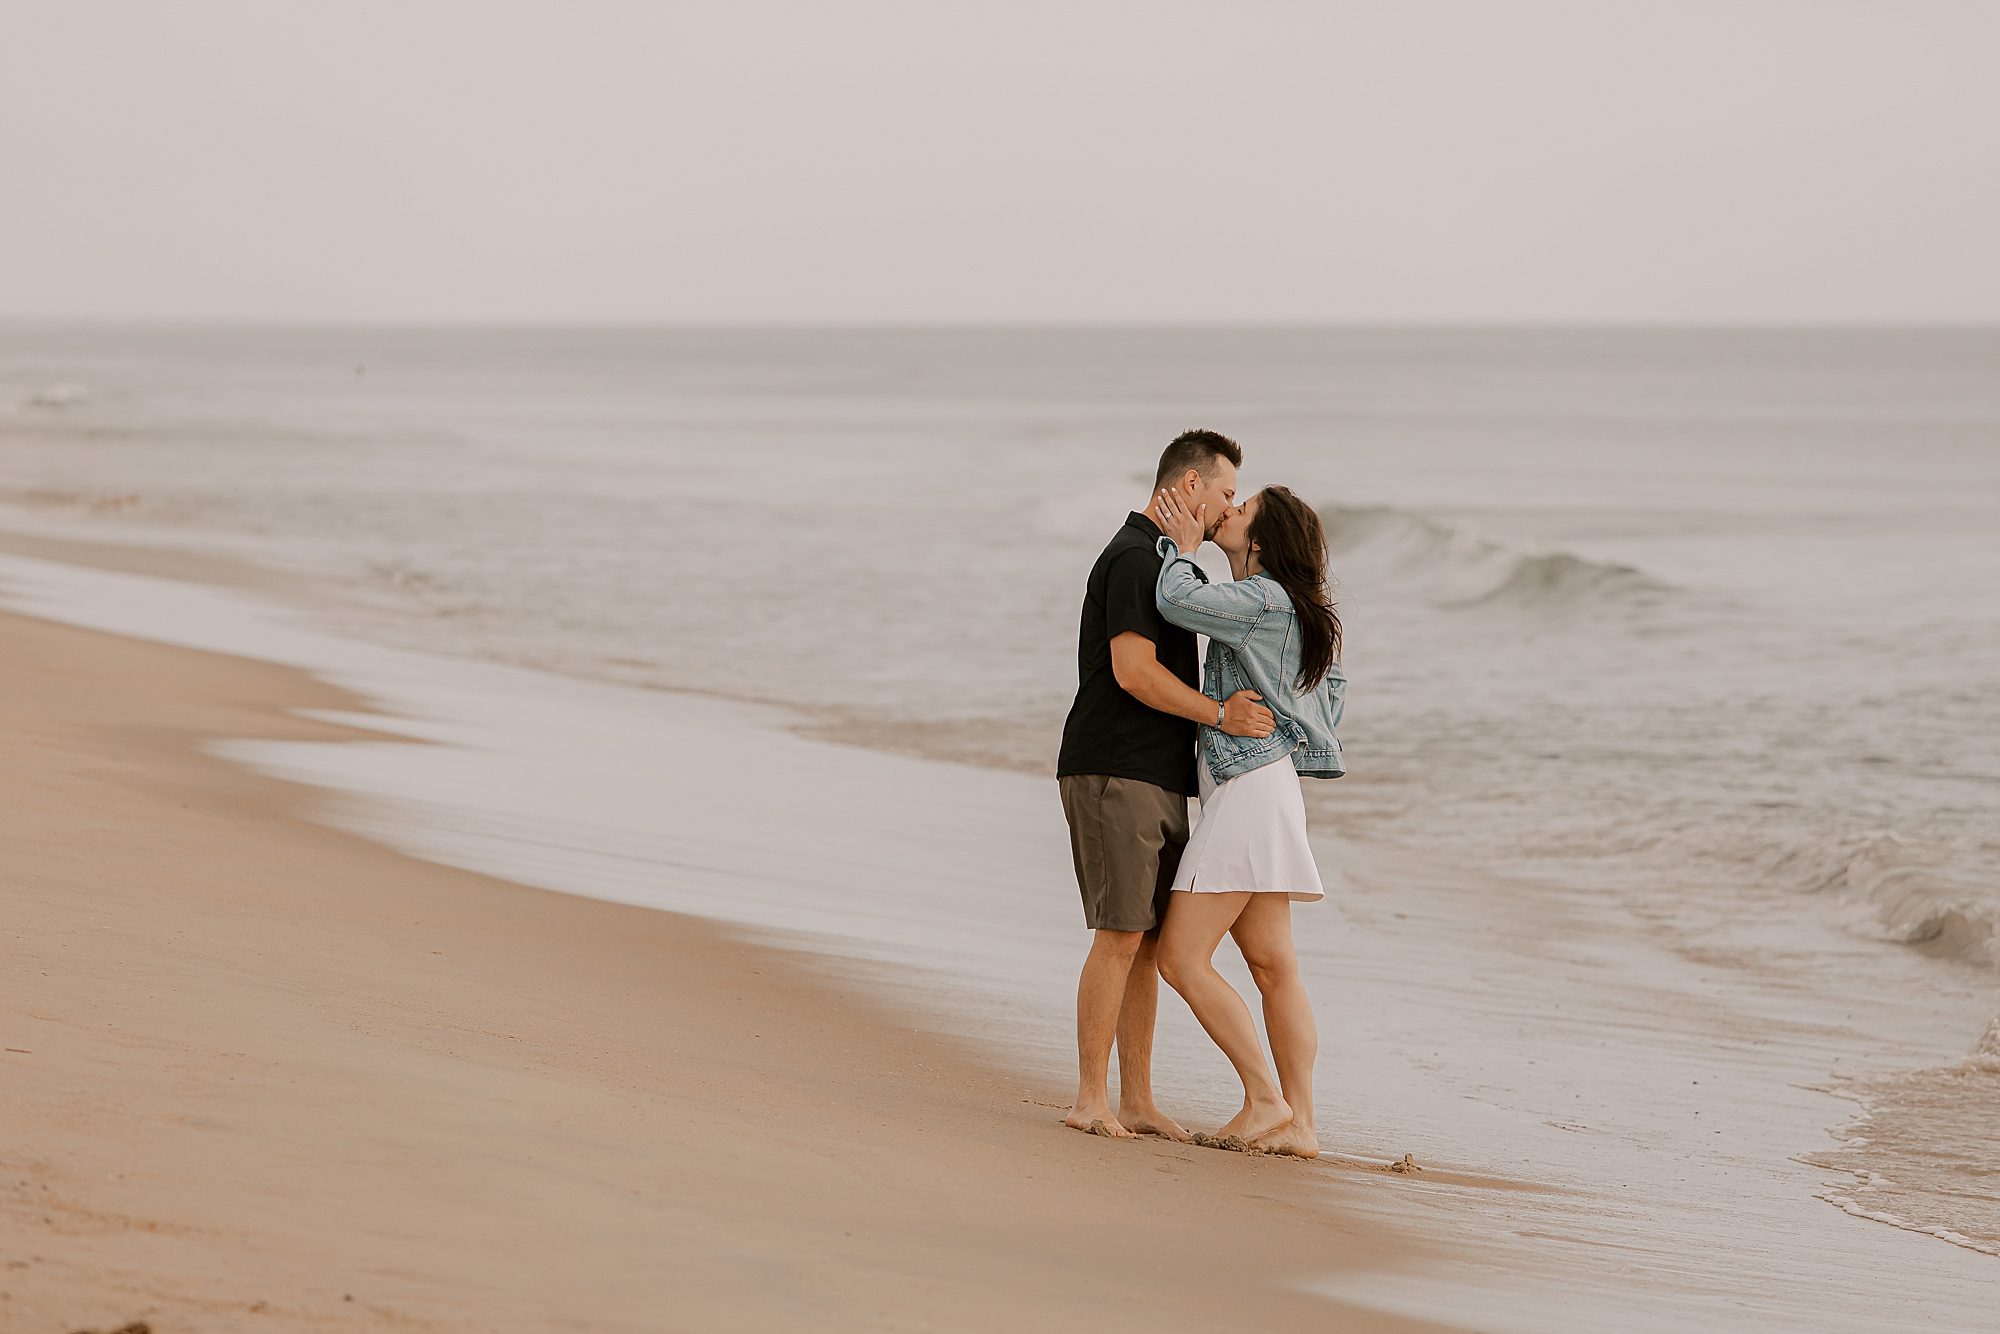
[271, 1066]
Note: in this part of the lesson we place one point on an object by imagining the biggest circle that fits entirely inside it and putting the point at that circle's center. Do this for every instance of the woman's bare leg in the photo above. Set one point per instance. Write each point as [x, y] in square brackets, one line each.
[1263, 931]
[1195, 925]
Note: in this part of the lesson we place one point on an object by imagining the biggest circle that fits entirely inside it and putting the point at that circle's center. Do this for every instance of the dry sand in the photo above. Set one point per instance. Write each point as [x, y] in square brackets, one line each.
[277, 1077]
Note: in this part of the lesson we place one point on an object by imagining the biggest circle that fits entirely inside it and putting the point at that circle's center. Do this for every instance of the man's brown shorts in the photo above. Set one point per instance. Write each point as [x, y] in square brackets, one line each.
[1126, 837]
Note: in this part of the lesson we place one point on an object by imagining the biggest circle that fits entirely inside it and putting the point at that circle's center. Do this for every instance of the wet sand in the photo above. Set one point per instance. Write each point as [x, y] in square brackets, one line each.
[265, 1075]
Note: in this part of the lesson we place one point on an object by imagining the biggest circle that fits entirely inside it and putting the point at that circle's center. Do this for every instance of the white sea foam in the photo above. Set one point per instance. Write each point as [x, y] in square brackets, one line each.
[1930, 1160]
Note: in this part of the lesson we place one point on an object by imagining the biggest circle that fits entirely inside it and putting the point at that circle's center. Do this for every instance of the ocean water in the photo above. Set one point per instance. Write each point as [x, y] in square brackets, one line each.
[1665, 645]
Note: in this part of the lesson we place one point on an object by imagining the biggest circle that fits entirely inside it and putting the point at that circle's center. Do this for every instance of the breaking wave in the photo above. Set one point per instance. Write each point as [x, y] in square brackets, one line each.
[1894, 891]
[1451, 567]
[58, 396]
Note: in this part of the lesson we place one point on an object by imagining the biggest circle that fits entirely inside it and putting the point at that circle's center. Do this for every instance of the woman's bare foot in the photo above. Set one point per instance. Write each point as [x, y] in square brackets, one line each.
[1257, 1120]
[1153, 1121]
[1097, 1121]
[1297, 1140]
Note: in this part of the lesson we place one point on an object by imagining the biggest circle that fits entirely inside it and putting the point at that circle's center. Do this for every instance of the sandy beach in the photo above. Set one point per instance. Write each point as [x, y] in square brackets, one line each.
[262, 1074]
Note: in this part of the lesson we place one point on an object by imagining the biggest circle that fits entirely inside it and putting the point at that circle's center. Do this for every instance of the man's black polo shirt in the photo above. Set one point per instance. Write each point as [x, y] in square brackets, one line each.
[1108, 731]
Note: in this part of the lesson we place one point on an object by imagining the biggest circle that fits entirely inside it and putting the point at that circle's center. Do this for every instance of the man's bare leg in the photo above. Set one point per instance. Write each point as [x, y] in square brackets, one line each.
[1264, 933]
[1136, 1108]
[1100, 996]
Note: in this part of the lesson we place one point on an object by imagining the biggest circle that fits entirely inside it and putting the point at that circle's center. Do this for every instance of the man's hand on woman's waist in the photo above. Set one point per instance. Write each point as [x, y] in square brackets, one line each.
[1242, 716]
[1140, 674]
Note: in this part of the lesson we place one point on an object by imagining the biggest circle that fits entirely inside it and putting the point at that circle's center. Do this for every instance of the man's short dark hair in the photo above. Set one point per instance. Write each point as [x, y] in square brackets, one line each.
[1198, 450]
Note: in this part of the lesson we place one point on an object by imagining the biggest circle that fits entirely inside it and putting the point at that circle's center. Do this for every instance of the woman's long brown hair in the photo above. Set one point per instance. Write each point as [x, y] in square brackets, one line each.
[1291, 543]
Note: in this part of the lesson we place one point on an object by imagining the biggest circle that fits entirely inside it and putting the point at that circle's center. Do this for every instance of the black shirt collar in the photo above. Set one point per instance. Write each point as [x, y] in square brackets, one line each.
[1144, 525]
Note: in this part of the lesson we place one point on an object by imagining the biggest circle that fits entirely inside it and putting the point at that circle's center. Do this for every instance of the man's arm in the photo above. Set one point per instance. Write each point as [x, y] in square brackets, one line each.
[1136, 663]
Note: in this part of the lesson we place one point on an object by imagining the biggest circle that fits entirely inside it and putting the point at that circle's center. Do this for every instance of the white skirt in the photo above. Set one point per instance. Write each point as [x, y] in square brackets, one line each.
[1251, 836]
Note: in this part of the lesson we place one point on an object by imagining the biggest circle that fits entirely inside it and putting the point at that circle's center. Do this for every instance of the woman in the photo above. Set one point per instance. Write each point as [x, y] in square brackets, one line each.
[1273, 631]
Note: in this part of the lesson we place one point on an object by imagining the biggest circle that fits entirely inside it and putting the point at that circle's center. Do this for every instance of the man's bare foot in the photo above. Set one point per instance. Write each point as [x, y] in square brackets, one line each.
[1291, 1138]
[1097, 1121]
[1153, 1121]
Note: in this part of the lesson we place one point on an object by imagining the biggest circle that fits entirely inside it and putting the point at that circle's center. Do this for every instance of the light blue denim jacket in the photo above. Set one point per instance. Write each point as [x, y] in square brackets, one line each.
[1253, 644]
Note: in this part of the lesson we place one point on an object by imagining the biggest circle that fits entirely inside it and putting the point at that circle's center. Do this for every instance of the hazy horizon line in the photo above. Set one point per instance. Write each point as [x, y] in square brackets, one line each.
[998, 326]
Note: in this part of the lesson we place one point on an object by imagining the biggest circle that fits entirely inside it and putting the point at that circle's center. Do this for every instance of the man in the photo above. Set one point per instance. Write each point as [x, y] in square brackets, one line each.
[1126, 771]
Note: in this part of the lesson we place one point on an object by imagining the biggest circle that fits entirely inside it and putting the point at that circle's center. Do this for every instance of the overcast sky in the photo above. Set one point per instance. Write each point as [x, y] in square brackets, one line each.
[863, 162]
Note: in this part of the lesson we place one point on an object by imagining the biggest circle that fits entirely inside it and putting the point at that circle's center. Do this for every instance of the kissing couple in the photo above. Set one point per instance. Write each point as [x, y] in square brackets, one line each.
[1147, 733]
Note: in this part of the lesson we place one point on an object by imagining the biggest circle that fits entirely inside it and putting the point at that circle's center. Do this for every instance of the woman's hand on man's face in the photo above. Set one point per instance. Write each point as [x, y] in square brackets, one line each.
[1171, 513]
